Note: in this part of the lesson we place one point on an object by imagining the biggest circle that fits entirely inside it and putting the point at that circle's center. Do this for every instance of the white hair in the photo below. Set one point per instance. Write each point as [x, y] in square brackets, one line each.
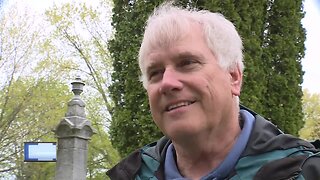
[169, 23]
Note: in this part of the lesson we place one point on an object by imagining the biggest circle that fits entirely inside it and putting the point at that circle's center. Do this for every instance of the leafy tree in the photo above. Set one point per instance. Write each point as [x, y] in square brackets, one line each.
[311, 110]
[251, 28]
[37, 171]
[34, 94]
[22, 96]
[284, 49]
[84, 32]
[101, 154]
[131, 124]
[28, 113]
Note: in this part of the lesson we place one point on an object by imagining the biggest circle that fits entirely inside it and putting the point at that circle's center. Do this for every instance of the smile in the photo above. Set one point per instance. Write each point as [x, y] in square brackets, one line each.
[178, 105]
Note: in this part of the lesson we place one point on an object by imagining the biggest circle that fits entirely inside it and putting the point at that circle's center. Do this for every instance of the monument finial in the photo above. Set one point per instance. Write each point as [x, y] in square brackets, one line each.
[77, 86]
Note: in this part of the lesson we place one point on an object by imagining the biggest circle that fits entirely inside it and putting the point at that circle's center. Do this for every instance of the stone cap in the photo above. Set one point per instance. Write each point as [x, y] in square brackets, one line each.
[74, 127]
[75, 124]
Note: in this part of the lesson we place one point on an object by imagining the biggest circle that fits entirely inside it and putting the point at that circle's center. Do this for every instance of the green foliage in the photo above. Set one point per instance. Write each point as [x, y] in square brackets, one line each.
[284, 49]
[101, 154]
[311, 110]
[84, 32]
[251, 28]
[29, 112]
[81, 33]
[274, 45]
[29, 105]
[34, 66]
[101, 157]
[132, 124]
[37, 171]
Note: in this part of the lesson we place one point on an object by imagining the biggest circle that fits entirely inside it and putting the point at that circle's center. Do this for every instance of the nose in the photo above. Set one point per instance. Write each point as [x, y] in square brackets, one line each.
[170, 82]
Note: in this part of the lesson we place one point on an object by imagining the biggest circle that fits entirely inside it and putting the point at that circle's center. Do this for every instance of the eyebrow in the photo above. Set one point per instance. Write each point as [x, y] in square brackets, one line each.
[152, 65]
[187, 54]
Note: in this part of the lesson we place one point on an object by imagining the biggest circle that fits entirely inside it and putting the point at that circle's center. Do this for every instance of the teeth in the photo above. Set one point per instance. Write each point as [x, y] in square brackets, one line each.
[178, 105]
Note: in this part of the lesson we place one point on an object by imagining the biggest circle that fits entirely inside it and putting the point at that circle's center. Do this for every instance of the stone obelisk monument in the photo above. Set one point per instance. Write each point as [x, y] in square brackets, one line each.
[73, 133]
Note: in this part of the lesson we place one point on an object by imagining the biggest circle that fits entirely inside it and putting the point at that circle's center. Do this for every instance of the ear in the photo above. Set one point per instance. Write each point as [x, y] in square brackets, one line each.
[236, 81]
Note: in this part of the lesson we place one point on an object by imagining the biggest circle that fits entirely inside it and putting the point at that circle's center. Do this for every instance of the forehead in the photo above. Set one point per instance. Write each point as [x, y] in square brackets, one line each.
[166, 35]
[182, 41]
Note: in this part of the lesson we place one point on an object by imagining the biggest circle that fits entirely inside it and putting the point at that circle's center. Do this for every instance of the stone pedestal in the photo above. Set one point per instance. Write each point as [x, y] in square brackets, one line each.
[73, 133]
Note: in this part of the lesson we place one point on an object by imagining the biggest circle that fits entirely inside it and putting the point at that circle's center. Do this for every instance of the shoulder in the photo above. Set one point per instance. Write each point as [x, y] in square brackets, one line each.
[281, 164]
[311, 167]
[273, 154]
[144, 160]
[267, 137]
[127, 167]
[300, 162]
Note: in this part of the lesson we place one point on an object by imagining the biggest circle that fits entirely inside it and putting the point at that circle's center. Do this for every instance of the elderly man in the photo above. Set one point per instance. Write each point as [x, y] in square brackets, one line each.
[192, 67]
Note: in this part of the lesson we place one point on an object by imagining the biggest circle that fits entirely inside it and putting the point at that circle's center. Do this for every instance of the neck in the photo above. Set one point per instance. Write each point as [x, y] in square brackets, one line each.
[199, 155]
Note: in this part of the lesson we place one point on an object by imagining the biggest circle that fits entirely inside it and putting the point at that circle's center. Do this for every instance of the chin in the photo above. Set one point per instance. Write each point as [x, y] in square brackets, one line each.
[182, 133]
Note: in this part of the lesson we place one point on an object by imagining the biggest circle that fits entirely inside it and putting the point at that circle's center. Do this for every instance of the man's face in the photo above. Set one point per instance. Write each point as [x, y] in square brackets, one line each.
[189, 93]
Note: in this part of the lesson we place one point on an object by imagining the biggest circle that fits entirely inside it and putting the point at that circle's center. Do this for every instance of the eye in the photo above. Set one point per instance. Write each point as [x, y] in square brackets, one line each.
[188, 63]
[155, 74]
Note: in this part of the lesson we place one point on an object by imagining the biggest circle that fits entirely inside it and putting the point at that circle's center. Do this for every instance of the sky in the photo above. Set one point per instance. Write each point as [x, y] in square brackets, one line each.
[310, 63]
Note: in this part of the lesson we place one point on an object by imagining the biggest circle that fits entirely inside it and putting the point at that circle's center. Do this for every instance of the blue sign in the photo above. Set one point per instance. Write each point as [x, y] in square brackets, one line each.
[40, 151]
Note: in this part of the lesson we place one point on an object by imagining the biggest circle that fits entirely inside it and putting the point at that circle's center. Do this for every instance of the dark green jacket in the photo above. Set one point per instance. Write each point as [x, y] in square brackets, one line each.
[269, 154]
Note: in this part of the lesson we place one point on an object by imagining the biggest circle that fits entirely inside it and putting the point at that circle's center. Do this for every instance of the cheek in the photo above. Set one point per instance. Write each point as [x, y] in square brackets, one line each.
[209, 85]
[154, 106]
[214, 88]
[153, 99]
